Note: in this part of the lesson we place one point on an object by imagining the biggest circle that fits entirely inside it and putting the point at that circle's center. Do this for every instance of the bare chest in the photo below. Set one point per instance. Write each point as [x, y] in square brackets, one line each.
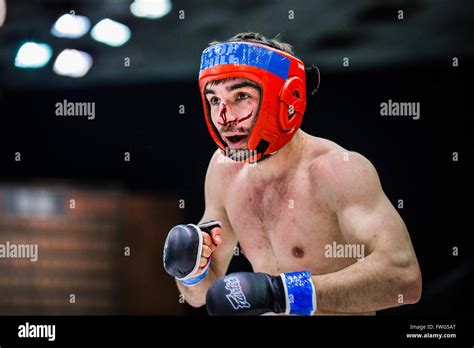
[283, 227]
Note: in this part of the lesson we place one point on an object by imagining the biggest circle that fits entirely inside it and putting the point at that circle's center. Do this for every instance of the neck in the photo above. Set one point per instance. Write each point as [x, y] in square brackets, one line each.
[280, 164]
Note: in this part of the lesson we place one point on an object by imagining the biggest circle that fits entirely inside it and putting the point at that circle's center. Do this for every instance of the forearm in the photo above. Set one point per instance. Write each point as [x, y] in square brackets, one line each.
[369, 285]
[196, 295]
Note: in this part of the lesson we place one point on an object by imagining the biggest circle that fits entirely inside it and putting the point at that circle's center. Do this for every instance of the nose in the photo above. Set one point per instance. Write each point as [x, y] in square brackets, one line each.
[222, 109]
[225, 117]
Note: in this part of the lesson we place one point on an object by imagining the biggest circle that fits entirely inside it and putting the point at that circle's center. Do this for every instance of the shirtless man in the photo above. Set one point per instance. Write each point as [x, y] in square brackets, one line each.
[297, 204]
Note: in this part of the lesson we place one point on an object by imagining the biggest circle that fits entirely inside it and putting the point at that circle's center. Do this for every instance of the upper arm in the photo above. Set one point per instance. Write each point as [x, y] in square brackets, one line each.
[215, 210]
[365, 215]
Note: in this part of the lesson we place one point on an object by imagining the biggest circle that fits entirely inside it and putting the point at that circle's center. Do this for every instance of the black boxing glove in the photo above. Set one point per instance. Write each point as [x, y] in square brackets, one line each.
[246, 293]
[182, 252]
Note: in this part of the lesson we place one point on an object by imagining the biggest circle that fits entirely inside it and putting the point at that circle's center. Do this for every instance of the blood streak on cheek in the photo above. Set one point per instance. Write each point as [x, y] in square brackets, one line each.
[245, 118]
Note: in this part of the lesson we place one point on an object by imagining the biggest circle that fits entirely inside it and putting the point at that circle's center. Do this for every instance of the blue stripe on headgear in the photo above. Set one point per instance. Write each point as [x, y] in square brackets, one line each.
[246, 54]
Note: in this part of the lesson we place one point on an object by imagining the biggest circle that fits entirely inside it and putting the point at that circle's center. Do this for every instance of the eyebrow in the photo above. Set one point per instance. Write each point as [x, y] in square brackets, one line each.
[209, 91]
[241, 85]
[233, 87]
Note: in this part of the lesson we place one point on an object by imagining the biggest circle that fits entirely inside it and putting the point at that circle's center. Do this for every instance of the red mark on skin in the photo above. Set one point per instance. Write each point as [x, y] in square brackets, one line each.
[223, 116]
[224, 121]
[245, 118]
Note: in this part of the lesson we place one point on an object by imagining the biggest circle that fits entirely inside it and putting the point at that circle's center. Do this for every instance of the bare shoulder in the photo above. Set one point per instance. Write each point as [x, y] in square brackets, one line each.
[340, 176]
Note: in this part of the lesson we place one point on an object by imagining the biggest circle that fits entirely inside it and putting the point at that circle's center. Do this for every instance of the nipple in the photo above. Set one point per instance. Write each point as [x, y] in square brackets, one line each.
[298, 252]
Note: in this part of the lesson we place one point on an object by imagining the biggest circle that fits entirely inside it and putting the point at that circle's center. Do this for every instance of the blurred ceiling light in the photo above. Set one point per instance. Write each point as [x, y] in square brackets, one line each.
[33, 55]
[71, 26]
[150, 8]
[34, 203]
[72, 63]
[111, 32]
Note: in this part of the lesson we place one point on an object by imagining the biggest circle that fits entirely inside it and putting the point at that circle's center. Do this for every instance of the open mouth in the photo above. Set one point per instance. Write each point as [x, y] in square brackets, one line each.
[236, 138]
[235, 141]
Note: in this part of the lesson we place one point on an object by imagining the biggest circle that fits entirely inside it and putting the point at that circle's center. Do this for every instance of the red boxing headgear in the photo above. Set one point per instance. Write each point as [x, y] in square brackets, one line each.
[283, 91]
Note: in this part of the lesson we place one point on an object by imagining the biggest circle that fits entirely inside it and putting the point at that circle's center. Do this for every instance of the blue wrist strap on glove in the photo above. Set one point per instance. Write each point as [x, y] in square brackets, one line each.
[194, 280]
[300, 293]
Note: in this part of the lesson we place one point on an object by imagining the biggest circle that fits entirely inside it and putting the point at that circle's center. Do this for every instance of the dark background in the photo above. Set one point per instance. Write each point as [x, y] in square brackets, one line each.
[137, 110]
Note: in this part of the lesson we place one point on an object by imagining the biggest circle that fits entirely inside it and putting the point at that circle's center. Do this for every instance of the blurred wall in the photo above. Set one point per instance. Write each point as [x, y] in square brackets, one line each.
[99, 251]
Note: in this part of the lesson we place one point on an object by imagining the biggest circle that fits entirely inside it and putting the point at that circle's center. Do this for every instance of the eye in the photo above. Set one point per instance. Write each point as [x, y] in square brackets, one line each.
[242, 96]
[214, 101]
